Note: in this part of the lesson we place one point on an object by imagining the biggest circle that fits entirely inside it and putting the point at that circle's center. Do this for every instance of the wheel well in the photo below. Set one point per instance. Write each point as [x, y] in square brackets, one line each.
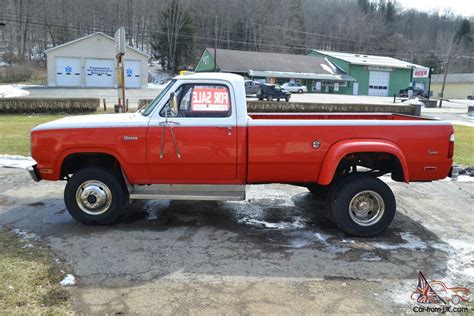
[75, 162]
[376, 164]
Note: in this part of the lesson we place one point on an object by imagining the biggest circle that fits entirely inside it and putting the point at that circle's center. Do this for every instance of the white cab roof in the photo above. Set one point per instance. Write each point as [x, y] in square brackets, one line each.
[211, 76]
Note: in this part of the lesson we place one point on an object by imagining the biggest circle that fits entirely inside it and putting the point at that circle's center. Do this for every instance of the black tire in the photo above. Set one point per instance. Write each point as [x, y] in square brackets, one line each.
[278, 99]
[300, 91]
[369, 190]
[107, 184]
[469, 97]
[260, 99]
[287, 98]
[270, 98]
[319, 190]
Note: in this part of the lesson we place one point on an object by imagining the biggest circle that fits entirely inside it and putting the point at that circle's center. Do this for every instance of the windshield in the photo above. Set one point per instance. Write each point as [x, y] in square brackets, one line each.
[146, 110]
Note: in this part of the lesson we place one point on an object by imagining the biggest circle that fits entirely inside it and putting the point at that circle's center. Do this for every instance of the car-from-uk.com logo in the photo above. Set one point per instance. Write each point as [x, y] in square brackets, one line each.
[437, 297]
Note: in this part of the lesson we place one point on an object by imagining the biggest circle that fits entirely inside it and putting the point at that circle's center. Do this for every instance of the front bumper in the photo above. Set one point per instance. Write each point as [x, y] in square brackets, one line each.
[33, 173]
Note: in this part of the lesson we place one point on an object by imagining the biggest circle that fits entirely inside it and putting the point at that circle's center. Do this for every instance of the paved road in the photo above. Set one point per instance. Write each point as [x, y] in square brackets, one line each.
[273, 253]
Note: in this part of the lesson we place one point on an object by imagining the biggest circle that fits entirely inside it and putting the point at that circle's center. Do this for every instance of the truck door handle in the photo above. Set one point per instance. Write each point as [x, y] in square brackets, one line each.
[169, 123]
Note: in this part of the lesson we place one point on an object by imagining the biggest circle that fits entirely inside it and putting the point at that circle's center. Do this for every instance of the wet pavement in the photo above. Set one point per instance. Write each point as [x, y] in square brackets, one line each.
[276, 252]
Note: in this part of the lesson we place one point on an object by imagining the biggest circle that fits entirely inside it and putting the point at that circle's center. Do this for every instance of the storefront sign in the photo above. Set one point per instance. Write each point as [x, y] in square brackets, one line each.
[421, 72]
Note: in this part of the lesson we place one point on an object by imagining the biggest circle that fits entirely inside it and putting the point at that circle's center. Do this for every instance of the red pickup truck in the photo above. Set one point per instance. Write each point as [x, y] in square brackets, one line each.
[196, 141]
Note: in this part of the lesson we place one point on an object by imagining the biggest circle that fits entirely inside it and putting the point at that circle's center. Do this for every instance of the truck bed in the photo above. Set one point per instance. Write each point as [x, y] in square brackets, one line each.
[280, 144]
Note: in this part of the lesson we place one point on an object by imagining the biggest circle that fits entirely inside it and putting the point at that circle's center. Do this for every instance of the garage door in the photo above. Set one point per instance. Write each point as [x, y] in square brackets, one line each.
[68, 72]
[132, 74]
[100, 72]
[378, 83]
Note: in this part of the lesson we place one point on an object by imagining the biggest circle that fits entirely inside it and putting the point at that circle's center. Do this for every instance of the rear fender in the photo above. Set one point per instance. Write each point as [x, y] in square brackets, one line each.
[351, 146]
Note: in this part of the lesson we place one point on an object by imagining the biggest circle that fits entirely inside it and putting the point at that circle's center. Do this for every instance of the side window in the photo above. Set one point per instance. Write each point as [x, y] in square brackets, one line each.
[202, 100]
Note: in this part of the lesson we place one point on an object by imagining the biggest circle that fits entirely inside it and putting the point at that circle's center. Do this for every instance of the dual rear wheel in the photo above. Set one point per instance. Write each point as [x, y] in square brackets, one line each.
[361, 205]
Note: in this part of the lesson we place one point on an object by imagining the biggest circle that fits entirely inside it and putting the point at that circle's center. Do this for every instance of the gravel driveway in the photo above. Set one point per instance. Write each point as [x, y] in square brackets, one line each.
[270, 254]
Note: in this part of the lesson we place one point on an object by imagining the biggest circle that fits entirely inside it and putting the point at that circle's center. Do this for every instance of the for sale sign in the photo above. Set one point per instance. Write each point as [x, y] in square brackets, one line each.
[421, 72]
[207, 98]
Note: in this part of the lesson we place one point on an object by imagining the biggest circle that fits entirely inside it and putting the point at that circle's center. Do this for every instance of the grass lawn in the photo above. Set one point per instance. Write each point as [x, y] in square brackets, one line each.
[15, 136]
[464, 145]
[15, 132]
[29, 279]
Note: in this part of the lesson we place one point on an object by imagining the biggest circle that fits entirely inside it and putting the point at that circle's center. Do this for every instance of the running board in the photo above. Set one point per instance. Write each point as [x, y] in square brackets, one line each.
[205, 192]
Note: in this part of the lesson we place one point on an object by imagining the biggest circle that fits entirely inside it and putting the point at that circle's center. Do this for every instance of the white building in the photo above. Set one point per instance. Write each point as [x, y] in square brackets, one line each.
[89, 61]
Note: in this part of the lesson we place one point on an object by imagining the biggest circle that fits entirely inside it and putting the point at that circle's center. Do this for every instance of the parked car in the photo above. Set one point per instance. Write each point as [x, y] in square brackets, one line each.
[251, 87]
[417, 92]
[272, 91]
[196, 141]
[294, 87]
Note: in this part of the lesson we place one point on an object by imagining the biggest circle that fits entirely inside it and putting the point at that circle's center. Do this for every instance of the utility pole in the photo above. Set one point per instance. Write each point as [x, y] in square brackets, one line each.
[215, 45]
[444, 79]
[446, 68]
[429, 83]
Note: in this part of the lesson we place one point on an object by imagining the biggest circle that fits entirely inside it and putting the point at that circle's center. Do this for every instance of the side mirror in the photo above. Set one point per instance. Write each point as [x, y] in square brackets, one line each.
[173, 104]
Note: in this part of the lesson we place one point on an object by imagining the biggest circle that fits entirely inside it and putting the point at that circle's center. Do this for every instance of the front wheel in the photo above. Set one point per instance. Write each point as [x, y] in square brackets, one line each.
[300, 91]
[362, 206]
[95, 196]
[270, 98]
[287, 98]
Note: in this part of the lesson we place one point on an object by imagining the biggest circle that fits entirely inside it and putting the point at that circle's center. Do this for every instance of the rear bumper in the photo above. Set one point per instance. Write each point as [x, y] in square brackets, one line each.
[453, 172]
[33, 173]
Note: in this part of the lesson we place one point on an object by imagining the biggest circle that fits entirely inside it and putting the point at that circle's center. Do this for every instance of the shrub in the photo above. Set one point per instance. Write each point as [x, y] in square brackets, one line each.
[46, 105]
[16, 73]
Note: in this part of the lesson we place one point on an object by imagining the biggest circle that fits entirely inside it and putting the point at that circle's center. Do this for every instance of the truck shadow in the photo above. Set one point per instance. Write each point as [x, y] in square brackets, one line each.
[272, 236]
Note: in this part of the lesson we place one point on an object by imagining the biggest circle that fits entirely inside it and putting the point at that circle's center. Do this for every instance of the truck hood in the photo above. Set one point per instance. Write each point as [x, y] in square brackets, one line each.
[96, 121]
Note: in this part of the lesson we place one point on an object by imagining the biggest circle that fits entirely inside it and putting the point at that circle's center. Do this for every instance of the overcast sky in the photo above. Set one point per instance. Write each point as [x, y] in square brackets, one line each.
[461, 7]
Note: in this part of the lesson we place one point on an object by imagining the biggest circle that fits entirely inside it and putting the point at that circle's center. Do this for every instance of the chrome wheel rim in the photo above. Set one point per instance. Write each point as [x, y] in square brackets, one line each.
[366, 208]
[93, 197]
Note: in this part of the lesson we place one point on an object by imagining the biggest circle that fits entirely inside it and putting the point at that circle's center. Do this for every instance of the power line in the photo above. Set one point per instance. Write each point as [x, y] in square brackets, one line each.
[189, 35]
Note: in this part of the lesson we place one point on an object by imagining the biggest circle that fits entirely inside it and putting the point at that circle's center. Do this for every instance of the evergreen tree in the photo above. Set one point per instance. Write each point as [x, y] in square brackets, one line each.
[463, 33]
[173, 43]
[432, 61]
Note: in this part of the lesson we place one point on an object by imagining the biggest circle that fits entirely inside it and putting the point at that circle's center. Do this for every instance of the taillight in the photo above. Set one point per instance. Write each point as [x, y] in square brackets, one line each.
[451, 146]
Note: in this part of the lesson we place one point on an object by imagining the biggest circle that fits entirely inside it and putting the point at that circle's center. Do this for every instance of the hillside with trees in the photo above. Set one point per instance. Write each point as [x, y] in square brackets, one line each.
[175, 32]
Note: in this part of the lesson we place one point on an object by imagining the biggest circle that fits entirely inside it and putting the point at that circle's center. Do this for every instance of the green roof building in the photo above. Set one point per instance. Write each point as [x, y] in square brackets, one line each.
[375, 75]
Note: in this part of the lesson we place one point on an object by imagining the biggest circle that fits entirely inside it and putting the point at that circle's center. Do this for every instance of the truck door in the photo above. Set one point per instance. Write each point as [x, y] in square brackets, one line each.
[198, 144]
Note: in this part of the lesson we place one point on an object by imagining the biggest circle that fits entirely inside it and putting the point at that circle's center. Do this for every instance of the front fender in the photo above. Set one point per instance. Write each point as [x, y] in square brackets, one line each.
[84, 150]
[351, 146]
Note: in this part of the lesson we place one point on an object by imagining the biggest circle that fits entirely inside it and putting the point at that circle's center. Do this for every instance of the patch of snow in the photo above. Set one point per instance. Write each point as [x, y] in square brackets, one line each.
[158, 76]
[156, 86]
[69, 280]
[412, 243]
[12, 91]
[460, 263]
[414, 101]
[25, 236]
[15, 161]
[278, 225]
